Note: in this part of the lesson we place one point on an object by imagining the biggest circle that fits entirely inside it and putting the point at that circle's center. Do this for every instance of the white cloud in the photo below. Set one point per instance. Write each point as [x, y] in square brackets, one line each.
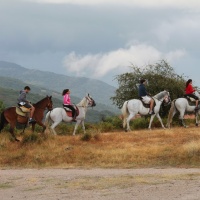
[141, 3]
[99, 65]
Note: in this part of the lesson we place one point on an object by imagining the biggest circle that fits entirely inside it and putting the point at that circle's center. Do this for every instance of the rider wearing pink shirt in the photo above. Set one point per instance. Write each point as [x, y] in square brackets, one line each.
[67, 103]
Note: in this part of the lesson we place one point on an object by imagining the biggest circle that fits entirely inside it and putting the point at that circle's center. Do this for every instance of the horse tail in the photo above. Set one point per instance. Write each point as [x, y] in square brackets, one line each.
[171, 111]
[2, 121]
[47, 119]
[125, 113]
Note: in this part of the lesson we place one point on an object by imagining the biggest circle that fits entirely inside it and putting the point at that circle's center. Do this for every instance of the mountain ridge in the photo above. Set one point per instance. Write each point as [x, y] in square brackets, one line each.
[79, 86]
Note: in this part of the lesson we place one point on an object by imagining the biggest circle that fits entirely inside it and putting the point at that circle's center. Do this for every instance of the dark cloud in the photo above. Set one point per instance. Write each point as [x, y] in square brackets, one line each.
[41, 35]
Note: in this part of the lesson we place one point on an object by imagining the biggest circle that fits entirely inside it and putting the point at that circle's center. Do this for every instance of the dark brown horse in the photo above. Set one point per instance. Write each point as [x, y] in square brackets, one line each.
[9, 116]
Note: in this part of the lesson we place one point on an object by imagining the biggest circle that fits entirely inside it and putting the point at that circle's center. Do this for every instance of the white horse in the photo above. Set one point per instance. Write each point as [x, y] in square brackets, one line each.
[182, 106]
[135, 106]
[57, 115]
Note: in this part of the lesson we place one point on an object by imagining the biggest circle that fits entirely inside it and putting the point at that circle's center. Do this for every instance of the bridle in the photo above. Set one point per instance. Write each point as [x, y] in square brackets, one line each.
[91, 101]
[49, 105]
[168, 100]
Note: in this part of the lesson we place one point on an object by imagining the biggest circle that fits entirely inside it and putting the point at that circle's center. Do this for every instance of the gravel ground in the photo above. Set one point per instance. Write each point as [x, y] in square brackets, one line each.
[104, 184]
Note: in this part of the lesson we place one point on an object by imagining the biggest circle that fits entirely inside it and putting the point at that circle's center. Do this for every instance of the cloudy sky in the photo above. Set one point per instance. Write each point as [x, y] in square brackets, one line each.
[101, 38]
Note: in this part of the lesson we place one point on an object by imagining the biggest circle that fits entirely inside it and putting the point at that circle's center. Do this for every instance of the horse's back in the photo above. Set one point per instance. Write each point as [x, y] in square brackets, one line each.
[10, 110]
[10, 113]
[57, 111]
[134, 104]
[181, 101]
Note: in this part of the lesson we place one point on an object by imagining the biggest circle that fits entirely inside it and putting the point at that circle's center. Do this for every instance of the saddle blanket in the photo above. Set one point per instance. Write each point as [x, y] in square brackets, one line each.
[23, 111]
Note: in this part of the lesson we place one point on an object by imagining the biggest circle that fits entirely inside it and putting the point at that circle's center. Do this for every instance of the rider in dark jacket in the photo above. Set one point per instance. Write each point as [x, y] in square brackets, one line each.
[143, 94]
[22, 101]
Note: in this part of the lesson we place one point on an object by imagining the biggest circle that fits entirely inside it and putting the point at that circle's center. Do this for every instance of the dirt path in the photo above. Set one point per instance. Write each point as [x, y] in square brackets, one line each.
[104, 184]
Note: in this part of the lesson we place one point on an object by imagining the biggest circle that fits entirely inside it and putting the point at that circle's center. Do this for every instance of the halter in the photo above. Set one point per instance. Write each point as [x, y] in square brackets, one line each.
[91, 101]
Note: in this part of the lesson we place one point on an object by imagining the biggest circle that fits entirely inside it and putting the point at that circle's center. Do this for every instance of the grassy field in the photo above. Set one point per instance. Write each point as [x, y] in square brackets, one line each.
[176, 147]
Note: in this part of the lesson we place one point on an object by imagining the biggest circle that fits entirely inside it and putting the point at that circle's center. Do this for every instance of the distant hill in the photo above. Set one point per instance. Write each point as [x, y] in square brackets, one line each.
[79, 86]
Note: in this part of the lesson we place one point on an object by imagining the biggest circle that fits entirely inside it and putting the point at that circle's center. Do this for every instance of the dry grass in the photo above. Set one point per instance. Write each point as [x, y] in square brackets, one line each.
[177, 147]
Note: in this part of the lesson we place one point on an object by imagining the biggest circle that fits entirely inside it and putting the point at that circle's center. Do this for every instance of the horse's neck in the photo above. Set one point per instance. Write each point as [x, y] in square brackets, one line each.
[160, 96]
[40, 104]
[83, 103]
[158, 101]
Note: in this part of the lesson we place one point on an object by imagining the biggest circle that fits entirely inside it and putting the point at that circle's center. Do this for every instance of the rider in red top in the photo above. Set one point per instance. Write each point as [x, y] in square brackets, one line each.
[189, 91]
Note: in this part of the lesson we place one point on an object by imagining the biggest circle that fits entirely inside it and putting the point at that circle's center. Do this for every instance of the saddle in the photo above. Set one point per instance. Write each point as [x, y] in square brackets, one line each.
[69, 111]
[147, 105]
[190, 99]
[23, 111]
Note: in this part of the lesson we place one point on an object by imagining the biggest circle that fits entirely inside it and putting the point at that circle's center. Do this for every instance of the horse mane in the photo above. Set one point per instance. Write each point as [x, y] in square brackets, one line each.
[83, 102]
[161, 94]
[39, 102]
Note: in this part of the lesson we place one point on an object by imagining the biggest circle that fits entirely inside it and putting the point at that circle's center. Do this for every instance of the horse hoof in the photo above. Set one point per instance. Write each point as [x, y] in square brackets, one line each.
[17, 140]
[197, 124]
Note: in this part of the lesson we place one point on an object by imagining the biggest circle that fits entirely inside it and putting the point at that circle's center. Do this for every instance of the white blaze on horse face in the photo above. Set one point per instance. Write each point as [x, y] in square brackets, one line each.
[167, 98]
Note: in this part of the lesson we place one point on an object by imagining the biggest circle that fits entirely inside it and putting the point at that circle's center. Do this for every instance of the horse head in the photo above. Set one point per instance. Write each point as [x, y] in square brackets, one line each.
[49, 104]
[166, 99]
[91, 101]
[163, 96]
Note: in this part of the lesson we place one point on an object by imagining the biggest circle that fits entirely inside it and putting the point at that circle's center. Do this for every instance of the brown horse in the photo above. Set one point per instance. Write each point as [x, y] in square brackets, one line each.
[9, 116]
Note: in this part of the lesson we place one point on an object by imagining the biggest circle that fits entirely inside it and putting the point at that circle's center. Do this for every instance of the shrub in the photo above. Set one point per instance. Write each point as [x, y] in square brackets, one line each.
[32, 138]
[105, 126]
[139, 123]
[86, 137]
[65, 129]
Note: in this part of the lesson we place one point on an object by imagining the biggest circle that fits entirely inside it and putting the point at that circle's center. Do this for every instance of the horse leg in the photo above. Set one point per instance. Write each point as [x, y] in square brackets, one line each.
[159, 118]
[33, 127]
[181, 119]
[169, 121]
[11, 130]
[76, 126]
[128, 121]
[197, 118]
[24, 129]
[54, 125]
[83, 126]
[152, 117]
[40, 124]
[3, 121]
